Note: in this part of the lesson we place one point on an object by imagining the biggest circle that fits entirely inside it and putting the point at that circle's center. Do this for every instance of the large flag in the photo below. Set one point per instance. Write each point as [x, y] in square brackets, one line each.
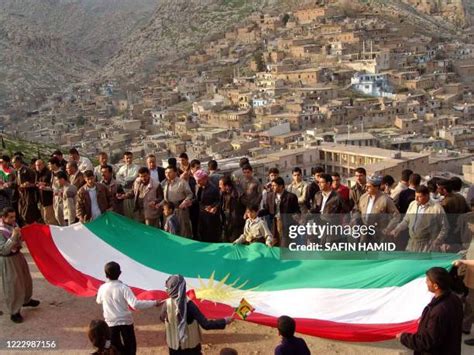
[350, 299]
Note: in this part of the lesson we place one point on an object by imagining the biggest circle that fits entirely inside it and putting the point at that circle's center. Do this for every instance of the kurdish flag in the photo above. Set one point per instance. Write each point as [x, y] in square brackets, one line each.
[353, 300]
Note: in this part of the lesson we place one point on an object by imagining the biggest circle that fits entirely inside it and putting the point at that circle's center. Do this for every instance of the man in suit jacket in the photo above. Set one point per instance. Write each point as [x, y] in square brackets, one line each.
[326, 200]
[377, 209]
[281, 205]
[93, 199]
[157, 173]
[328, 205]
[76, 178]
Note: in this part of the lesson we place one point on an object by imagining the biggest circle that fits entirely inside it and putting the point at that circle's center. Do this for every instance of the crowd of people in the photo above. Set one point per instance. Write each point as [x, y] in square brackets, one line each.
[187, 199]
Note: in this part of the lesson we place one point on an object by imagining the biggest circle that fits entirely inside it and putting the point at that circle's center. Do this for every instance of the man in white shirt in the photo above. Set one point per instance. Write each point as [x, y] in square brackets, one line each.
[116, 298]
[83, 163]
[402, 185]
[157, 173]
[126, 176]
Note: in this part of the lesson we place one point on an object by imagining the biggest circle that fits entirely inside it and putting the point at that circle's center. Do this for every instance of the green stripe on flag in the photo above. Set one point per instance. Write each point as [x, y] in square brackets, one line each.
[256, 264]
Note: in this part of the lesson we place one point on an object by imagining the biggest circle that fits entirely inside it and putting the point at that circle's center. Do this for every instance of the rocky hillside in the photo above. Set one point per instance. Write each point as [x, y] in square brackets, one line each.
[47, 44]
[181, 26]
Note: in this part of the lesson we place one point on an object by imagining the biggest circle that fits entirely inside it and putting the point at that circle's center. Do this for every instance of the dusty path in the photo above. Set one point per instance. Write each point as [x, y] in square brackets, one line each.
[64, 318]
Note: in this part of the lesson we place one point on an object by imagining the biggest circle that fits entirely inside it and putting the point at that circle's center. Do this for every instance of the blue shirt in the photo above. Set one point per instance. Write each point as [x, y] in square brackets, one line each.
[292, 346]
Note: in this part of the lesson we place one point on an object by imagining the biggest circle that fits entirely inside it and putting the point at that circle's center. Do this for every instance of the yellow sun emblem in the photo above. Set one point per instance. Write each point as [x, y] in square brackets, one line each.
[219, 291]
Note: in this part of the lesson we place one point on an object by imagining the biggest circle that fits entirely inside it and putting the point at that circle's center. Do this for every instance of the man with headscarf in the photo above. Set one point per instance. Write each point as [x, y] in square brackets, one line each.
[182, 319]
[16, 278]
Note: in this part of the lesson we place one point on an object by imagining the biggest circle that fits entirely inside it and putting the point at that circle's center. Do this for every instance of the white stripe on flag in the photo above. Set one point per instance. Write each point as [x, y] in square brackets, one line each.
[88, 254]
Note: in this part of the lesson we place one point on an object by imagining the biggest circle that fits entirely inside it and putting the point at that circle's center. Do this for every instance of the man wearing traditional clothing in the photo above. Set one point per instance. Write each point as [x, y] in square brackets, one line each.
[68, 195]
[126, 176]
[177, 190]
[232, 209]
[426, 223]
[208, 199]
[454, 204]
[146, 193]
[25, 189]
[16, 279]
[44, 180]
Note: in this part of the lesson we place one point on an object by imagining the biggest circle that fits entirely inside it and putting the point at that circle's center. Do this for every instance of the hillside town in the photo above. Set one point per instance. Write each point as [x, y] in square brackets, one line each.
[311, 87]
[307, 168]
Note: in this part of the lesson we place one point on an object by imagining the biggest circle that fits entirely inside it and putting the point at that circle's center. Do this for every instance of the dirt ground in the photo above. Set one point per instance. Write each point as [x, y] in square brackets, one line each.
[64, 318]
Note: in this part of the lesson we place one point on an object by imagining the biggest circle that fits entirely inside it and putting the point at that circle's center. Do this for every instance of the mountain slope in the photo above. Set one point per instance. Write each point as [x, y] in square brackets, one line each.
[45, 45]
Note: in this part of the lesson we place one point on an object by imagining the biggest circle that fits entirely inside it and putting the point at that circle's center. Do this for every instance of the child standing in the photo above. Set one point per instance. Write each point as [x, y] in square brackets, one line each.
[116, 297]
[171, 224]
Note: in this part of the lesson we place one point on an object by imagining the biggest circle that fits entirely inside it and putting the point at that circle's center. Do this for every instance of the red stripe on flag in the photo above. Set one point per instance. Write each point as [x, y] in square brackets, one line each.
[60, 273]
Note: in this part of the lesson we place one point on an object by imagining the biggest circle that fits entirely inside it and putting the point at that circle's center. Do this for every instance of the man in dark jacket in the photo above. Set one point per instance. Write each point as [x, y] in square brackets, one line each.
[326, 200]
[440, 328]
[208, 199]
[232, 209]
[408, 196]
[93, 199]
[281, 205]
[328, 207]
[313, 188]
[454, 204]
[44, 180]
[25, 192]
[290, 345]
